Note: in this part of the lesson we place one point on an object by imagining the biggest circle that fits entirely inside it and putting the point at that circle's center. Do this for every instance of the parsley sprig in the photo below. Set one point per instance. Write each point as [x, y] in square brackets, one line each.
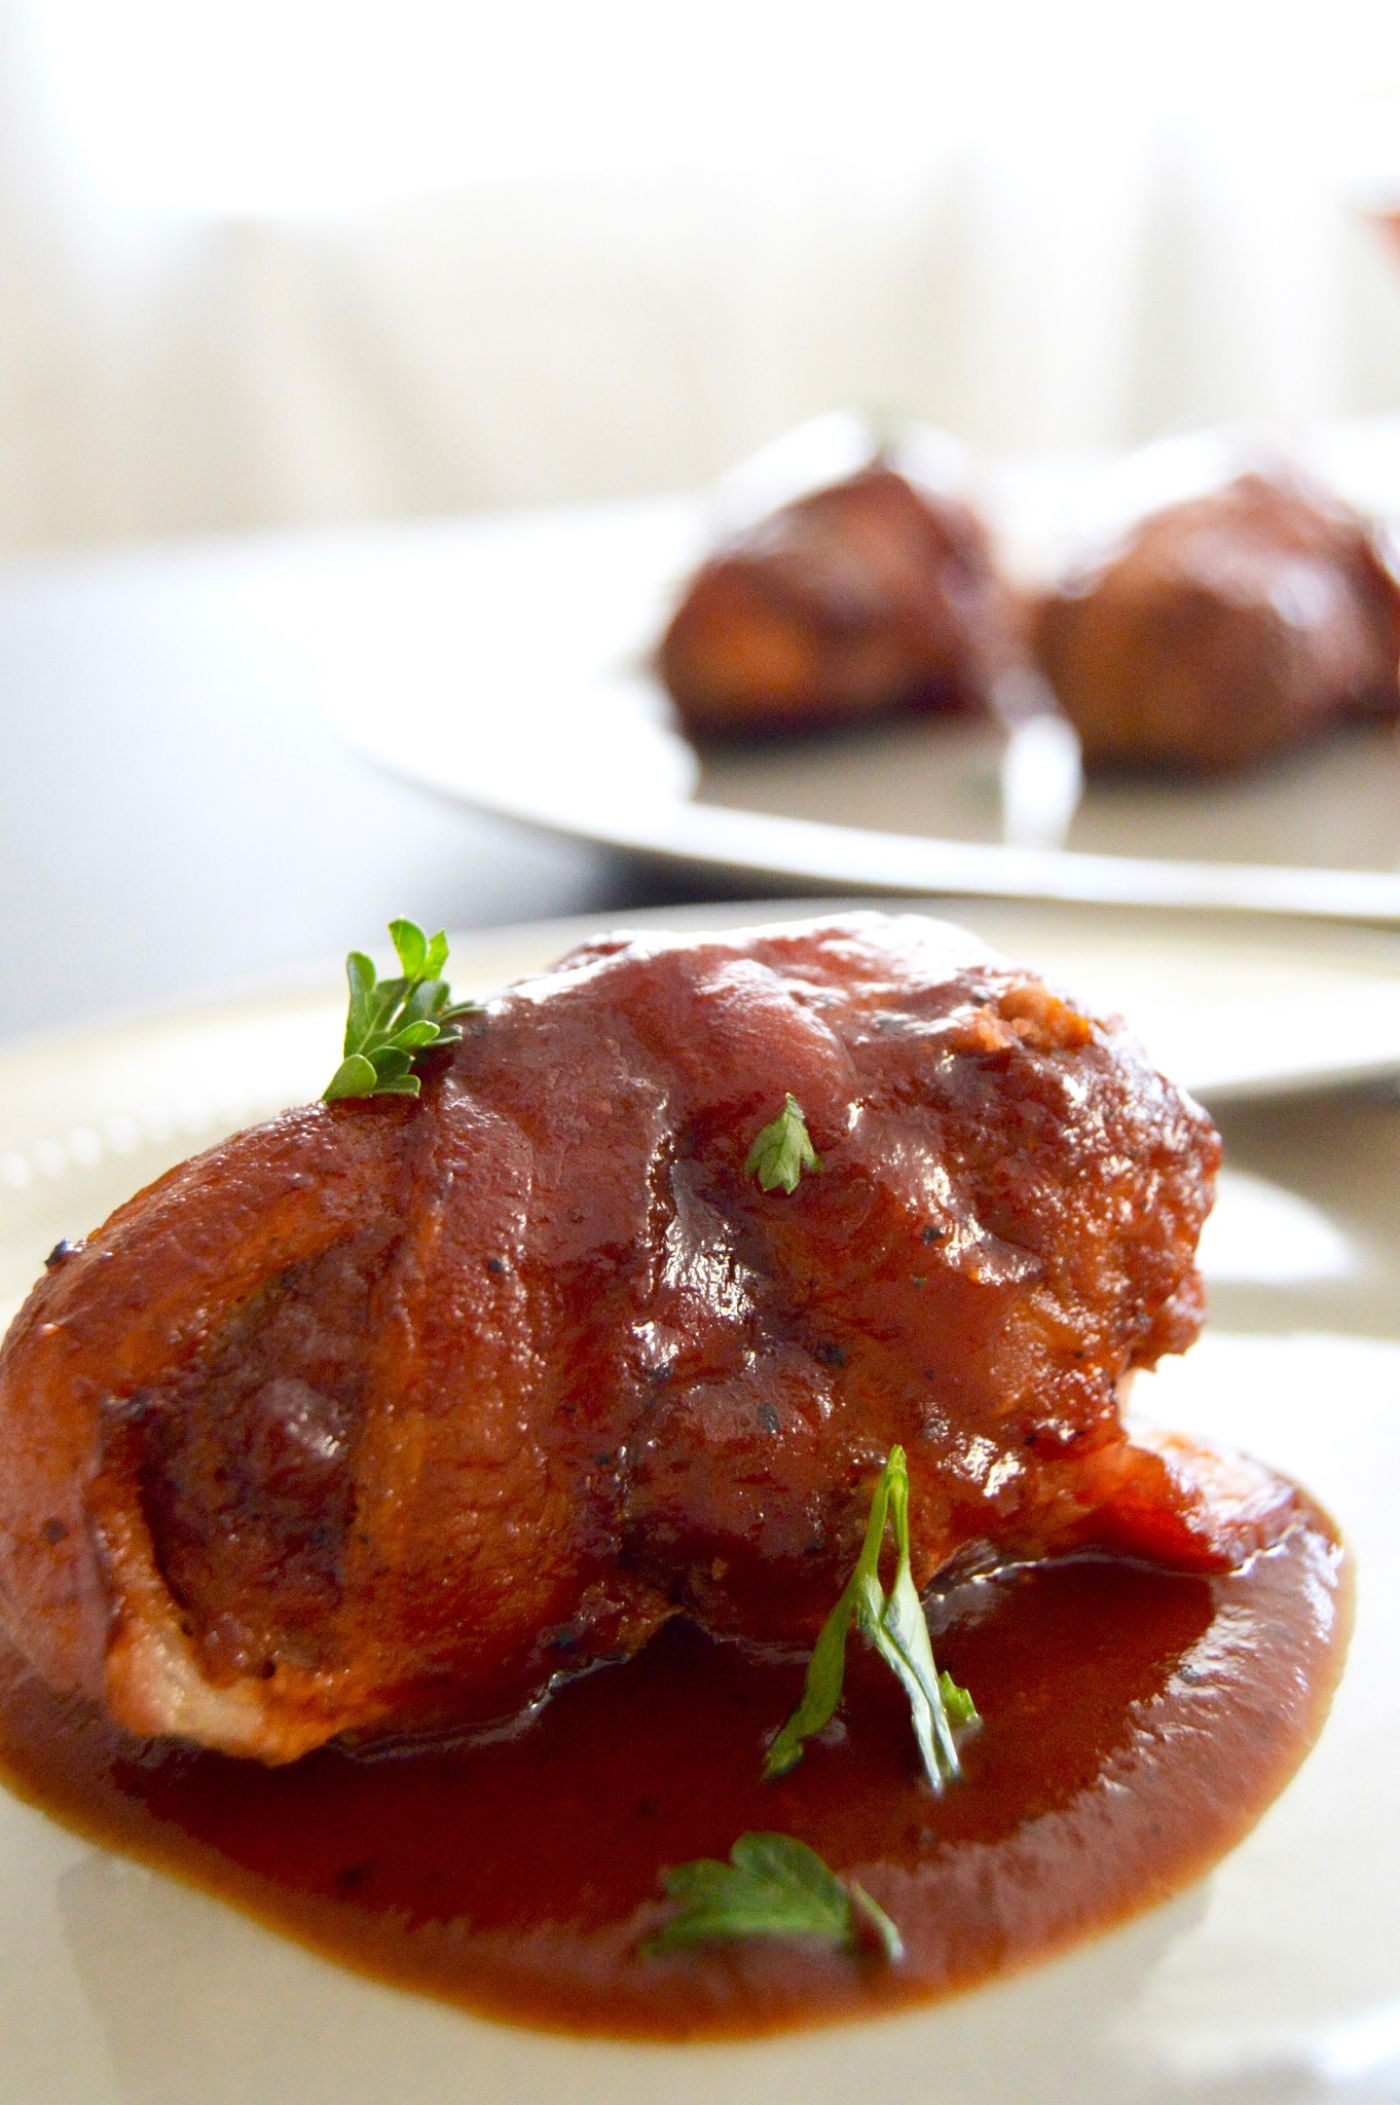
[392, 1020]
[772, 1886]
[783, 1150]
[895, 1624]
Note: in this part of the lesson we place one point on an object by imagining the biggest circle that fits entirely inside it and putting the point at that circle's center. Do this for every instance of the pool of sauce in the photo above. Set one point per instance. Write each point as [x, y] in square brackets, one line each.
[1136, 1723]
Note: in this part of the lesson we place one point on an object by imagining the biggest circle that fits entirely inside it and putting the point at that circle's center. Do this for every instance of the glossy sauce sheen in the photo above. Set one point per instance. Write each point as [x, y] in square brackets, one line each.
[1136, 1722]
[373, 1418]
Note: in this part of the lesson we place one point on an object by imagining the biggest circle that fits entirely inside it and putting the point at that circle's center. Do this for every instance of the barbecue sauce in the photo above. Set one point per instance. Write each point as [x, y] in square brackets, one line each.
[1136, 1722]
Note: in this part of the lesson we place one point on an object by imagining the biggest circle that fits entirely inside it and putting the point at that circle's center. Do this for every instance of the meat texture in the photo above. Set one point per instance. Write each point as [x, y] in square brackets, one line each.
[868, 597]
[1225, 629]
[386, 1413]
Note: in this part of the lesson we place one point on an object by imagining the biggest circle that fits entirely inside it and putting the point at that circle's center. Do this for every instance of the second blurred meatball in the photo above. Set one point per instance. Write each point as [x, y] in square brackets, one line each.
[868, 597]
[1224, 629]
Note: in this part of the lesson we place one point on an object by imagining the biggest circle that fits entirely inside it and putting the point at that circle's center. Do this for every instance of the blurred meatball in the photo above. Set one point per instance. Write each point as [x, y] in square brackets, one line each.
[868, 597]
[1225, 629]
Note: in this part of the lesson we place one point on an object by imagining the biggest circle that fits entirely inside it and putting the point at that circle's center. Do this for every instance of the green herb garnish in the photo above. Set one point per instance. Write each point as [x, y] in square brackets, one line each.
[895, 1624]
[392, 1020]
[772, 1886]
[783, 1150]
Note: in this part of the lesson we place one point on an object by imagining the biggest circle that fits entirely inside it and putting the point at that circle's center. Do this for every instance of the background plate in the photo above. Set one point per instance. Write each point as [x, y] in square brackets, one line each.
[517, 653]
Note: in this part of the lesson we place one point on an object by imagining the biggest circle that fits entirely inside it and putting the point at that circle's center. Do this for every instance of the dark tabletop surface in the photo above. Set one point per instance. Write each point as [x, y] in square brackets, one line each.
[178, 820]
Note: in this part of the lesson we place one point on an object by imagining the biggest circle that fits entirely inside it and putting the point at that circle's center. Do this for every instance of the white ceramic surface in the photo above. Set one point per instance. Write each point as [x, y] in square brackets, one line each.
[1275, 1981]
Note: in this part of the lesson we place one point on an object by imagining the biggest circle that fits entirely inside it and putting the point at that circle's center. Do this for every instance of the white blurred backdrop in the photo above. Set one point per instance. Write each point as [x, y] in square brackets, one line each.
[283, 260]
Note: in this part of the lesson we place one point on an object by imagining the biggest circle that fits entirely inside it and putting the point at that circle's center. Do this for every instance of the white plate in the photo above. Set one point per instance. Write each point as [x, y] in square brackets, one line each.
[1272, 1982]
[517, 651]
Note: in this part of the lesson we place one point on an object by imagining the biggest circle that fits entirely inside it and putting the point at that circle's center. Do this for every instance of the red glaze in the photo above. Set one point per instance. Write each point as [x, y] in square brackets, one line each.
[388, 1413]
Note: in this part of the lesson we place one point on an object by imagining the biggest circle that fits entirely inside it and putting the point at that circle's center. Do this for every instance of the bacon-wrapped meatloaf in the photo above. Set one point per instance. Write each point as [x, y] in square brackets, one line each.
[862, 599]
[385, 1413]
[1225, 629]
